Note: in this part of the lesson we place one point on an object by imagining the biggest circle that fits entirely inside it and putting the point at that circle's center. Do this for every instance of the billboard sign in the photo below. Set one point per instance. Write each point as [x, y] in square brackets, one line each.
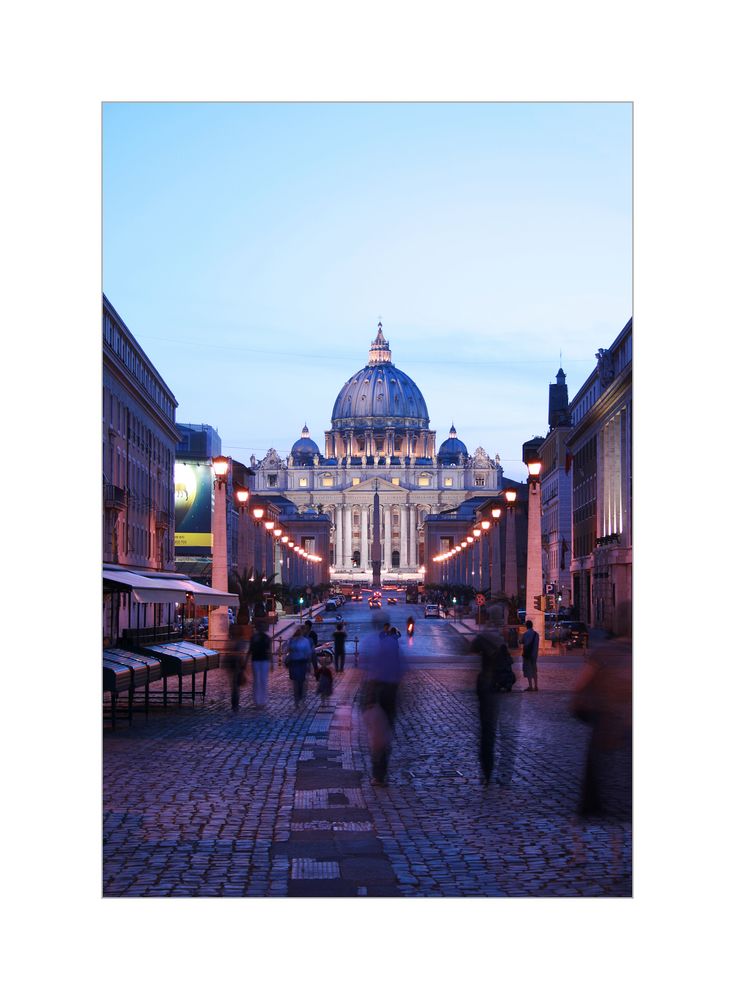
[194, 500]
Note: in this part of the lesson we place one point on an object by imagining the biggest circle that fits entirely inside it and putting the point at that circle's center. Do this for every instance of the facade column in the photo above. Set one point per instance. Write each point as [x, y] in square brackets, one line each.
[338, 536]
[364, 548]
[413, 554]
[404, 536]
[387, 544]
[347, 536]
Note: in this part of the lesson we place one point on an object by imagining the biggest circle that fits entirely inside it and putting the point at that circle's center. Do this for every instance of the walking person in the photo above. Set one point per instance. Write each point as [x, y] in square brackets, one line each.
[299, 660]
[260, 653]
[498, 706]
[530, 644]
[324, 685]
[383, 665]
[234, 660]
[339, 638]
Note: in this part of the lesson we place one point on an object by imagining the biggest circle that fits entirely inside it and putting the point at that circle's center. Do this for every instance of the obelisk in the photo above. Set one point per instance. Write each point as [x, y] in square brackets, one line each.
[375, 548]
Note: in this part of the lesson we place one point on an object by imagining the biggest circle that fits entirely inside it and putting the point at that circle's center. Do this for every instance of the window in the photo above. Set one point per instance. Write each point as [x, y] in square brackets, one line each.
[479, 480]
[447, 481]
[424, 480]
[303, 481]
[272, 480]
[395, 481]
[395, 559]
[327, 481]
[355, 480]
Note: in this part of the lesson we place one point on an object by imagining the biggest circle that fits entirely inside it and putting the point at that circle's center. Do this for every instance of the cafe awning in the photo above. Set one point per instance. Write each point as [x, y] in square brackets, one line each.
[165, 589]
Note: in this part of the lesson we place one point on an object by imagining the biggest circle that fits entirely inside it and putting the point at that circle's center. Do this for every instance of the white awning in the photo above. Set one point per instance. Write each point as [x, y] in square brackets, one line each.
[162, 589]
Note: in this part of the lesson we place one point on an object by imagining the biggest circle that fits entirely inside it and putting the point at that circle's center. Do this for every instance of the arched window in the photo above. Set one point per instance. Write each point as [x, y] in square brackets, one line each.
[356, 557]
[395, 559]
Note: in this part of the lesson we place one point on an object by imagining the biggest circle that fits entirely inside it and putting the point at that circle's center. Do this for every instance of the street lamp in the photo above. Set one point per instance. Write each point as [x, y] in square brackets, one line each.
[218, 619]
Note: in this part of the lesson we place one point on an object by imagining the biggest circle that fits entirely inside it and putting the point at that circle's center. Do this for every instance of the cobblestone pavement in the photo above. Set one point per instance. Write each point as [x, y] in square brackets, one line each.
[201, 801]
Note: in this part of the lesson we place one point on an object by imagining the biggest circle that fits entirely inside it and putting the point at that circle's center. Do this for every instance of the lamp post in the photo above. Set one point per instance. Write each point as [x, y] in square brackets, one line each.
[534, 574]
[218, 617]
[511, 558]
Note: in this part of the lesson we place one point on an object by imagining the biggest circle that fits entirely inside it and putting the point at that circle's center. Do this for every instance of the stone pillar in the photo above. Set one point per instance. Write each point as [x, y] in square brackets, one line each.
[347, 537]
[511, 558]
[534, 573]
[218, 619]
[338, 536]
[387, 536]
[364, 549]
[413, 554]
[495, 573]
[404, 536]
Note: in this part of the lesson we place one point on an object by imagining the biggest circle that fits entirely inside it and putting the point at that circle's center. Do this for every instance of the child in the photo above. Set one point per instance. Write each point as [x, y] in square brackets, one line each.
[324, 684]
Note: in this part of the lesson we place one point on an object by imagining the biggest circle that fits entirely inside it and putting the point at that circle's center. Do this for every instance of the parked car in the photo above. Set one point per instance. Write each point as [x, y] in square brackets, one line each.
[571, 633]
[432, 611]
[331, 606]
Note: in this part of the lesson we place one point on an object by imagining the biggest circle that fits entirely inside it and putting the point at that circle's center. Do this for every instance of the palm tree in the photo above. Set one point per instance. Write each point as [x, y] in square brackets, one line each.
[251, 587]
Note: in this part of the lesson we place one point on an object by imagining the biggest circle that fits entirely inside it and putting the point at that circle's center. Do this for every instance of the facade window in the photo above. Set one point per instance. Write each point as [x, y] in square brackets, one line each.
[479, 480]
[303, 481]
[447, 481]
[355, 480]
[327, 481]
[272, 480]
[424, 481]
[395, 481]
[395, 559]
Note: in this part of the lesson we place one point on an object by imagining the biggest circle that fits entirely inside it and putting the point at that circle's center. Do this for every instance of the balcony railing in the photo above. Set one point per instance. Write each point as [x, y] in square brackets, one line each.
[114, 496]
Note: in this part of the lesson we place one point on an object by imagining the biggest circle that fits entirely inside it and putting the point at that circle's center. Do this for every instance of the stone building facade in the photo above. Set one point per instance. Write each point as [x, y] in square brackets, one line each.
[139, 438]
[600, 444]
[556, 496]
[380, 439]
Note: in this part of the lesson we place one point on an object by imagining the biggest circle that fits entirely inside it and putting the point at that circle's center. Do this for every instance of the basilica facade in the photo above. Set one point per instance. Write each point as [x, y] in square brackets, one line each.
[380, 440]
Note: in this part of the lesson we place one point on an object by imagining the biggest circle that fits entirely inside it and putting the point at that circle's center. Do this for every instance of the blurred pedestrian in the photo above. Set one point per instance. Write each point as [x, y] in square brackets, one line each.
[324, 684]
[234, 658]
[339, 638]
[260, 654]
[603, 700]
[529, 654]
[383, 666]
[498, 705]
[311, 633]
[298, 661]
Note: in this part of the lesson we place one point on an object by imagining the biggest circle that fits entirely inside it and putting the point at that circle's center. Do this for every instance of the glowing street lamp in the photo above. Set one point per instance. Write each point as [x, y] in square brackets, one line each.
[511, 556]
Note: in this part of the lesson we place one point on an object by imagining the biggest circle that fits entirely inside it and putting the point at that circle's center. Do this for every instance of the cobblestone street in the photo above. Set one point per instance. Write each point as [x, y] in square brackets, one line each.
[201, 801]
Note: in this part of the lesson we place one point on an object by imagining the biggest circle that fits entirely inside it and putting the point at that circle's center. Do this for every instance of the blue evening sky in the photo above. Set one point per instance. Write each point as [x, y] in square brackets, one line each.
[251, 249]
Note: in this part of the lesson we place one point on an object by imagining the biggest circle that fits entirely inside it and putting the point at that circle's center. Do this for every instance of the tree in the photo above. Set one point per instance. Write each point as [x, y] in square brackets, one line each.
[251, 588]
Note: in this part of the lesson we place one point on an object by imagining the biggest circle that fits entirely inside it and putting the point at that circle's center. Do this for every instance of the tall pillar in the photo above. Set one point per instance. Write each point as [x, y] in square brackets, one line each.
[511, 558]
[375, 549]
[347, 537]
[218, 618]
[495, 573]
[387, 536]
[534, 573]
[364, 550]
[404, 536]
[413, 553]
[338, 536]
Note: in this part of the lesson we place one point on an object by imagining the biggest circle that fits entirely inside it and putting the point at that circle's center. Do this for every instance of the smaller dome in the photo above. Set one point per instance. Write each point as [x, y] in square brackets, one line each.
[452, 450]
[304, 450]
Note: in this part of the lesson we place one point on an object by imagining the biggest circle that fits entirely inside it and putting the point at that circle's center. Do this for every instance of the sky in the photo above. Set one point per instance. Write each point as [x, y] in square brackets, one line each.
[252, 248]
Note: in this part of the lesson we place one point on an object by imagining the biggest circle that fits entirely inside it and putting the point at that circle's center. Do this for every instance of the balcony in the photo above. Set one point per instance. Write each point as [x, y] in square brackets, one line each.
[114, 497]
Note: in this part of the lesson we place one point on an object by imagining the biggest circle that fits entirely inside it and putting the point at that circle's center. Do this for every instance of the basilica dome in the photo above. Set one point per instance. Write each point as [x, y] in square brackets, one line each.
[380, 395]
[452, 451]
[304, 450]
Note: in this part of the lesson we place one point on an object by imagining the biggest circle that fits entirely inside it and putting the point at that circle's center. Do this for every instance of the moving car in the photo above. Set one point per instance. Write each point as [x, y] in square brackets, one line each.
[572, 633]
[432, 611]
[392, 600]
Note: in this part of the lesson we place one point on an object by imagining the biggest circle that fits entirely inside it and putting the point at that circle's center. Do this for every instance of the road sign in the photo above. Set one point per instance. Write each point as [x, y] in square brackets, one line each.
[480, 599]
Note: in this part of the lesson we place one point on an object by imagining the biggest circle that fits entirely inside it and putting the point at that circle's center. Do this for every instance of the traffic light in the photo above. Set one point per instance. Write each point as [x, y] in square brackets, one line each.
[537, 602]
